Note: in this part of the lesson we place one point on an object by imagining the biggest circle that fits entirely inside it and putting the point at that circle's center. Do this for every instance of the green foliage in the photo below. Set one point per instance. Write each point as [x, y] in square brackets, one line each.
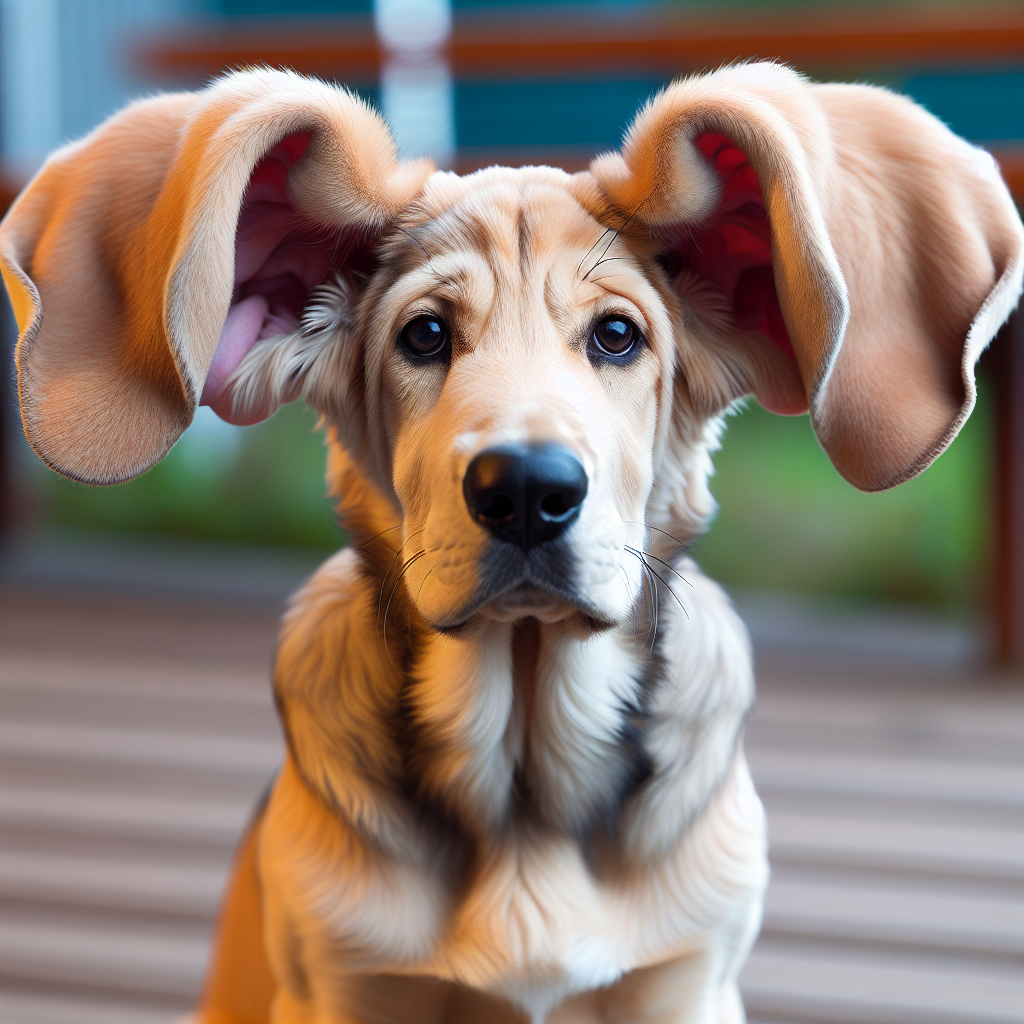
[789, 521]
[261, 484]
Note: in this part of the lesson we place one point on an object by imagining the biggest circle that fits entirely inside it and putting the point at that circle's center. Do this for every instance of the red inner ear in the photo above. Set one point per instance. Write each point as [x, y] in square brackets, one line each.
[280, 256]
[279, 253]
[733, 247]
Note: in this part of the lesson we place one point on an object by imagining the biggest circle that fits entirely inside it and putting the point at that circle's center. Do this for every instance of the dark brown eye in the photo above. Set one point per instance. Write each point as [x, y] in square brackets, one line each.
[615, 335]
[424, 336]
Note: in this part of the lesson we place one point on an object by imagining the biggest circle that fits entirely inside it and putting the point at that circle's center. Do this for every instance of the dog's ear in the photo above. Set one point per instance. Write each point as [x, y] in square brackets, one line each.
[145, 260]
[850, 252]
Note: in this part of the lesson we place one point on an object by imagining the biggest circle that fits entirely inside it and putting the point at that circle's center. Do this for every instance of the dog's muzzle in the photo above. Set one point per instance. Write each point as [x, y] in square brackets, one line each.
[525, 494]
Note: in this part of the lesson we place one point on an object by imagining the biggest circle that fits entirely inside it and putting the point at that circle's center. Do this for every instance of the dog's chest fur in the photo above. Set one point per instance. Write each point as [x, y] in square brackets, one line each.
[531, 826]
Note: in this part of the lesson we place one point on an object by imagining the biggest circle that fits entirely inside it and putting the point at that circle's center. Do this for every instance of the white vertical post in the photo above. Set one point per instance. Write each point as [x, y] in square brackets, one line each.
[31, 81]
[417, 93]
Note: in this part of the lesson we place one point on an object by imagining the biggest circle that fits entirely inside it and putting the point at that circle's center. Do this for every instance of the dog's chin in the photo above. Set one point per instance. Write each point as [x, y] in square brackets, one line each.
[527, 601]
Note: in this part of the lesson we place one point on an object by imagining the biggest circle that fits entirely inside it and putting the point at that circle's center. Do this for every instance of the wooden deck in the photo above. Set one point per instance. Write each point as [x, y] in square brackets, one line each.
[135, 736]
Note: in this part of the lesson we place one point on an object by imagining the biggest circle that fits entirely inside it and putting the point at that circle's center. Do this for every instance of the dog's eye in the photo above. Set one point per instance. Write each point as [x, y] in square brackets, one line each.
[424, 336]
[615, 335]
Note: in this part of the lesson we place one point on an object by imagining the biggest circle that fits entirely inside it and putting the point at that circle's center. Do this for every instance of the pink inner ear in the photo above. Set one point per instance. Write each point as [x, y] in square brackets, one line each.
[280, 255]
[733, 247]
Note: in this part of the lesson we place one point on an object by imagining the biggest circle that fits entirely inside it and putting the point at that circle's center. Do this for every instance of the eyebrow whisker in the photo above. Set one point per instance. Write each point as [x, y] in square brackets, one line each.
[600, 239]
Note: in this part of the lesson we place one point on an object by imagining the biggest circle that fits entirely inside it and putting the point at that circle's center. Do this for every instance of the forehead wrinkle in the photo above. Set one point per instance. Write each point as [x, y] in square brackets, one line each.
[489, 218]
[462, 279]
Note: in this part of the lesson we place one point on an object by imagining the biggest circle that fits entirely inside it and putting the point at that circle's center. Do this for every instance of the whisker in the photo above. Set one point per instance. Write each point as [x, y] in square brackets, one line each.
[424, 248]
[684, 546]
[629, 596]
[384, 580]
[377, 536]
[650, 599]
[422, 581]
[607, 259]
[604, 253]
[655, 607]
[405, 568]
[636, 522]
[693, 239]
[600, 239]
[612, 241]
[668, 565]
[670, 590]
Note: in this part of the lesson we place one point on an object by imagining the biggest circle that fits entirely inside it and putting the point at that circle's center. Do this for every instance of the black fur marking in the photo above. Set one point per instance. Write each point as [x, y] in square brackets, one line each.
[298, 981]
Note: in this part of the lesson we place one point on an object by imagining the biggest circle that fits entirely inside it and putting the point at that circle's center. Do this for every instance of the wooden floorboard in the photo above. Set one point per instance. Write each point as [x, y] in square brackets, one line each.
[135, 737]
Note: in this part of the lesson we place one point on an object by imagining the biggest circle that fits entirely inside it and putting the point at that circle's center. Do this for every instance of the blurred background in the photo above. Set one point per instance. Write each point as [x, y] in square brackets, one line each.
[548, 83]
[137, 622]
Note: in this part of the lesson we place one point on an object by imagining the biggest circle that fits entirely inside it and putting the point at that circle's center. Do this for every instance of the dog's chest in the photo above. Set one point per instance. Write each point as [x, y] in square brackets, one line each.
[534, 925]
[538, 923]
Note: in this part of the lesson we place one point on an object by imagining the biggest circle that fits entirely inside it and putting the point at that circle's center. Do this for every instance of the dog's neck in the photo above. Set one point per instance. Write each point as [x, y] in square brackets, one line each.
[523, 720]
[544, 726]
[525, 655]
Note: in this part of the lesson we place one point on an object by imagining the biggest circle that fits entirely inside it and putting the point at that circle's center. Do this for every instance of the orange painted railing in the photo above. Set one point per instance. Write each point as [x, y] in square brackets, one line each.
[488, 46]
[666, 43]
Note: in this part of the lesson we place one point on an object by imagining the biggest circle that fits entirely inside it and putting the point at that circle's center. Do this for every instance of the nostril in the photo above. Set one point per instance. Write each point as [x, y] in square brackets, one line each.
[556, 507]
[525, 494]
[500, 509]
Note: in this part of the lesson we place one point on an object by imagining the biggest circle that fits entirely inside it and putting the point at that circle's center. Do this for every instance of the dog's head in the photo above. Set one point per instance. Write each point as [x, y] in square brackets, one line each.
[523, 370]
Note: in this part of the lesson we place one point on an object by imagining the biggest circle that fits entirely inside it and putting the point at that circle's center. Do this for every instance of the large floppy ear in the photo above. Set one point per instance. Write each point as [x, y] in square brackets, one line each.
[855, 252]
[145, 260]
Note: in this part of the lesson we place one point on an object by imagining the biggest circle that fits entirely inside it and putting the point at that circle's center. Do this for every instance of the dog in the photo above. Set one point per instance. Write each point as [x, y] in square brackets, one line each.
[514, 787]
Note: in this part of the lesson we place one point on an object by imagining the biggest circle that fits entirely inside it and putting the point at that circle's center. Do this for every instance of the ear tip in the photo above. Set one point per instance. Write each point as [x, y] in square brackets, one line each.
[884, 452]
[97, 432]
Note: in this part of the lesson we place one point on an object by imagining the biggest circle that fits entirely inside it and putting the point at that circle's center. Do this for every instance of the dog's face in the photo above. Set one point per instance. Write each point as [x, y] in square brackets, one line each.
[520, 354]
[525, 368]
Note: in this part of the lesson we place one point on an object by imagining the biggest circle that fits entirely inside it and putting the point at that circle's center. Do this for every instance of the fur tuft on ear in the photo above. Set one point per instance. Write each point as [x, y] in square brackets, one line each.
[863, 255]
[301, 364]
[146, 260]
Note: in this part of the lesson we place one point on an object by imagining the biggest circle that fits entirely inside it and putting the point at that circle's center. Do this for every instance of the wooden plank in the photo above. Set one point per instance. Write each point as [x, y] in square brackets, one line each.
[239, 754]
[210, 823]
[35, 1007]
[159, 961]
[662, 42]
[923, 848]
[808, 982]
[888, 710]
[887, 912]
[668, 43]
[905, 778]
[136, 886]
[149, 679]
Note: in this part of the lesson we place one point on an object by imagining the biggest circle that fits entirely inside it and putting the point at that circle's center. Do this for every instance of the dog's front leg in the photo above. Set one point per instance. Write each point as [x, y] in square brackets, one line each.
[369, 999]
[345, 923]
[688, 990]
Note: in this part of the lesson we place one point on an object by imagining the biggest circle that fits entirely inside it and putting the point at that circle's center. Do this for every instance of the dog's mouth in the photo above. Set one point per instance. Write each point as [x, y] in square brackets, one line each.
[514, 587]
[528, 601]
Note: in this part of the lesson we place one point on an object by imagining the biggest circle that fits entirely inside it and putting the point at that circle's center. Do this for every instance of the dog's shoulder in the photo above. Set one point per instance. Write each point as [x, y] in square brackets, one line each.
[698, 694]
[337, 691]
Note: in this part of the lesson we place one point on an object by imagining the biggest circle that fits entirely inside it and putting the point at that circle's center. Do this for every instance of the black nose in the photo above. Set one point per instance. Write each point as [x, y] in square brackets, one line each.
[525, 494]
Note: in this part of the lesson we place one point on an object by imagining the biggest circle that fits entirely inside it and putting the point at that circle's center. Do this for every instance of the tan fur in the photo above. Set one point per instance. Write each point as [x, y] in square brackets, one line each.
[527, 800]
[126, 238]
